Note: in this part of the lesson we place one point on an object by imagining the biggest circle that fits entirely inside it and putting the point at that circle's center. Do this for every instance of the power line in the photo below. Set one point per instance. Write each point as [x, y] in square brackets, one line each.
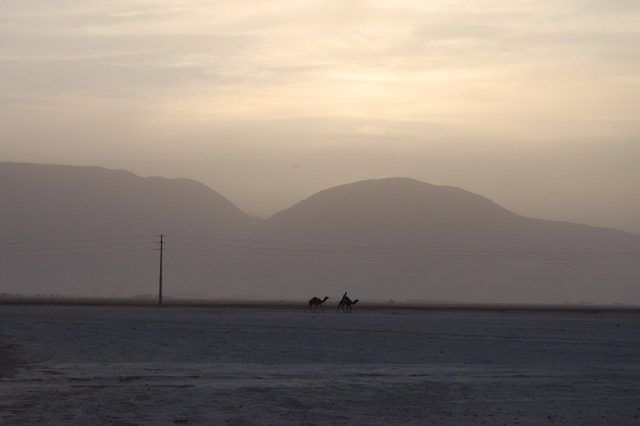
[69, 247]
[83, 253]
[130, 274]
[433, 256]
[79, 247]
[212, 245]
[282, 245]
[184, 278]
[266, 248]
[78, 241]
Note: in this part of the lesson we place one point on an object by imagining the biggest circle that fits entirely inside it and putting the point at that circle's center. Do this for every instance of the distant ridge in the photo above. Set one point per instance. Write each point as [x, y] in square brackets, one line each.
[465, 248]
[90, 231]
[395, 238]
[58, 202]
[405, 212]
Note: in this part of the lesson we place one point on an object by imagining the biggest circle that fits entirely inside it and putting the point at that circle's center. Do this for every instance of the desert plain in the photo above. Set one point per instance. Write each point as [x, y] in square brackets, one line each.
[280, 365]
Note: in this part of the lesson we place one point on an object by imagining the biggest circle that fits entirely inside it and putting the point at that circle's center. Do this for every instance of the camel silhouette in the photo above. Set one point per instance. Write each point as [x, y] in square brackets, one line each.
[315, 302]
[346, 304]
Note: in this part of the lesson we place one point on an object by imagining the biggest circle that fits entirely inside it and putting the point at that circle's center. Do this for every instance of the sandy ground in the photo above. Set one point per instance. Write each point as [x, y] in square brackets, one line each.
[131, 365]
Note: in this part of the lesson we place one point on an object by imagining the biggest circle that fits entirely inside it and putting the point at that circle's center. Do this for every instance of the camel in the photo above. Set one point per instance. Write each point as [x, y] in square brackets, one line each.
[315, 302]
[346, 304]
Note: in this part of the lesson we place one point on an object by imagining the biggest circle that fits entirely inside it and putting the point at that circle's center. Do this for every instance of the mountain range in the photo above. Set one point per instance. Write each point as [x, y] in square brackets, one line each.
[92, 231]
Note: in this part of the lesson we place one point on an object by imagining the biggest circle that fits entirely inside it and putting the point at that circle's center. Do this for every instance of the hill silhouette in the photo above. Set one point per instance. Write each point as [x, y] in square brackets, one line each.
[61, 202]
[394, 238]
[399, 237]
[83, 230]
[403, 212]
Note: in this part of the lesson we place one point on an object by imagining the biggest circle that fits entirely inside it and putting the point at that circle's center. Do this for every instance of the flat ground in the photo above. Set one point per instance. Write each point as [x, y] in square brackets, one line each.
[229, 365]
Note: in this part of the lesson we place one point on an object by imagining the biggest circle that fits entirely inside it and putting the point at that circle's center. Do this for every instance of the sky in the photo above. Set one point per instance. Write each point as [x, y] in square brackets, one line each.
[531, 103]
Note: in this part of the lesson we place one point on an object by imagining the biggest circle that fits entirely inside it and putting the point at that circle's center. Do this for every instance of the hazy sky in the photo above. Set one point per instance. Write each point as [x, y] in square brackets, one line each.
[532, 103]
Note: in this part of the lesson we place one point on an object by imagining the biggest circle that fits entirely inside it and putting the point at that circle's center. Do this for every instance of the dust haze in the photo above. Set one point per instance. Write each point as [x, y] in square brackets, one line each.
[91, 231]
[532, 105]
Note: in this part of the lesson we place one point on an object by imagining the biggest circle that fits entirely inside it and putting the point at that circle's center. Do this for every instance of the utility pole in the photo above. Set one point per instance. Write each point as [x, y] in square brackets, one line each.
[160, 276]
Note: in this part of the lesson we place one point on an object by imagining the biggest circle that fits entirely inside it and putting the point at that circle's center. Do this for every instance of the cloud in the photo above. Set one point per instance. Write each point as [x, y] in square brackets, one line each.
[389, 60]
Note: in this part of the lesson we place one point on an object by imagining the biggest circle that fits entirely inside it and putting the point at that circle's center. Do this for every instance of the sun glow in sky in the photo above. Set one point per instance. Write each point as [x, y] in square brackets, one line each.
[533, 104]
